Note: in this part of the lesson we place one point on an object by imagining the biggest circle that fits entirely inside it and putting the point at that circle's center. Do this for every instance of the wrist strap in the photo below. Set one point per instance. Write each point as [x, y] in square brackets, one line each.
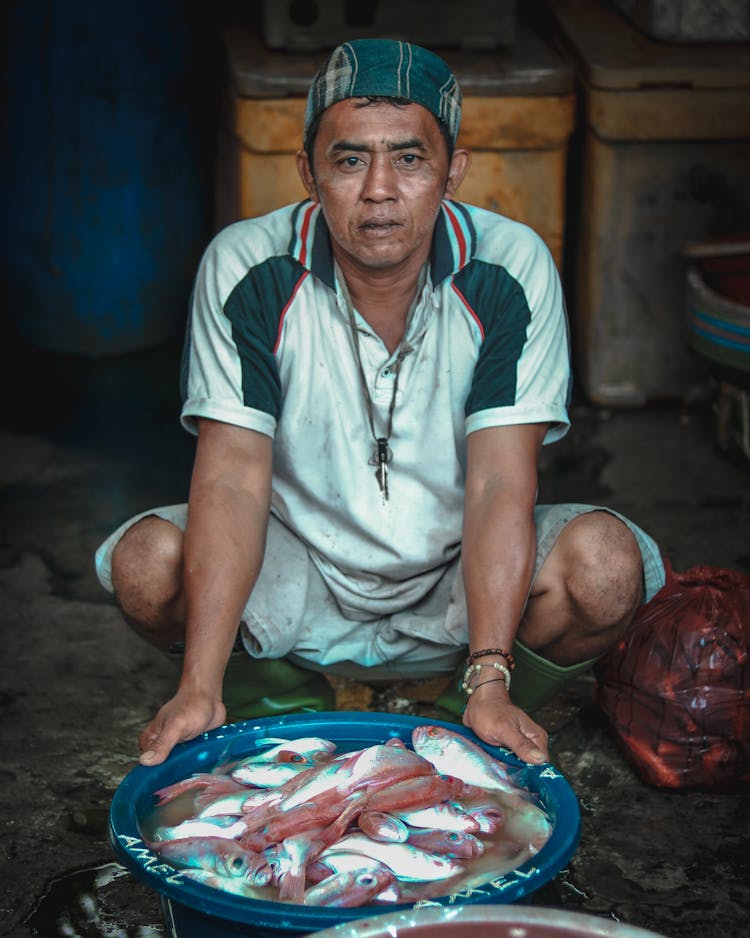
[492, 680]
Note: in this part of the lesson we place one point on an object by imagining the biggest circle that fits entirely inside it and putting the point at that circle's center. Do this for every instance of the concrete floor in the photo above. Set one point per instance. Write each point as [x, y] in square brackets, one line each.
[97, 441]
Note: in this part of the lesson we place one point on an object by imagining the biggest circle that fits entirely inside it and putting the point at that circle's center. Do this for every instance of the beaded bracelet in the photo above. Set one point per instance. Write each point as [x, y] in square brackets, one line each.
[493, 651]
[476, 668]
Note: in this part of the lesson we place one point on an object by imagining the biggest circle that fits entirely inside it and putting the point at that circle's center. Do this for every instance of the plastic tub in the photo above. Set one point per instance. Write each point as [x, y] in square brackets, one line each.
[192, 909]
[718, 327]
[489, 921]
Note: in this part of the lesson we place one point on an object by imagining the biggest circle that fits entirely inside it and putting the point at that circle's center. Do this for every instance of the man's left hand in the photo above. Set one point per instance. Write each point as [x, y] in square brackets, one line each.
[496, 720]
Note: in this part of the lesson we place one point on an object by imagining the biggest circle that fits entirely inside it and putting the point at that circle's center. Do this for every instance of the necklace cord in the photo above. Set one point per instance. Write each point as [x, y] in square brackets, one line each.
[403, 350]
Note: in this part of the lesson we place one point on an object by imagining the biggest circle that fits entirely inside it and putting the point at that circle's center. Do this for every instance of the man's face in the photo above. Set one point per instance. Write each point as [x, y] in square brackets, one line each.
[381, 172]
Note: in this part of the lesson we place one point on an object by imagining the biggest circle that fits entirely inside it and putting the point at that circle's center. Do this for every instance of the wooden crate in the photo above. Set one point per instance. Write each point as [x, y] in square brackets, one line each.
[666, 161]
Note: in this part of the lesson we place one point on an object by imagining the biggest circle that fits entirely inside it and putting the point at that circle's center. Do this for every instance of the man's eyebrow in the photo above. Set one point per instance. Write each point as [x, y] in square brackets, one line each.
[412, 144]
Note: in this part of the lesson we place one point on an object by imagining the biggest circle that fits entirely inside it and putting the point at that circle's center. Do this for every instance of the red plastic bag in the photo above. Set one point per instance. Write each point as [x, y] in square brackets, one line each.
[676, 689]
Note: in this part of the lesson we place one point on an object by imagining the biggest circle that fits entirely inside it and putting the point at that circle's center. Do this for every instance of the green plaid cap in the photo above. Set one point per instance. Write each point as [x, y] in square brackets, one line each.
[390, 68]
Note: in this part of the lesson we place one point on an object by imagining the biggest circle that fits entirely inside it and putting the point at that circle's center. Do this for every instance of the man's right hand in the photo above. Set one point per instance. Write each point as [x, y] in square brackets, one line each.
[182, 718]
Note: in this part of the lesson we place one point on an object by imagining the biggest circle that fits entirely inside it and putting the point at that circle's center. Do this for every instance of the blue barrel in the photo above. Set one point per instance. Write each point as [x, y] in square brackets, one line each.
[105, 157]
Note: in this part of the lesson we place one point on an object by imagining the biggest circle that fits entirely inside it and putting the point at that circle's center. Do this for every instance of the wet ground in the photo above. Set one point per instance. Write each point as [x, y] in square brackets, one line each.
[87, 443]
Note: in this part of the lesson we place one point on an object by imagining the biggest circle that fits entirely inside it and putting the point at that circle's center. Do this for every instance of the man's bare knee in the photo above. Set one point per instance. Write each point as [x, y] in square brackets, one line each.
[604, 571]
[147, 579]
[151, 544]
[587, 592]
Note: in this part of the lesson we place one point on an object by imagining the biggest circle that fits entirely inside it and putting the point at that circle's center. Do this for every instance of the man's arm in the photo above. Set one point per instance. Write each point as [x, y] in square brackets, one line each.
[498, 552]
[230, 494]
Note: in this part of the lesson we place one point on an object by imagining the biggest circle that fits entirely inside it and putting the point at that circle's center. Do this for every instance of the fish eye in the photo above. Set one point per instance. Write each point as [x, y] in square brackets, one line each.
[236, 866]
[433, 731]
[365, 879]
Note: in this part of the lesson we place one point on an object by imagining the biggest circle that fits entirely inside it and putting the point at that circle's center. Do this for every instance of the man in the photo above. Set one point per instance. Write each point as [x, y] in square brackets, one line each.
[371, 375]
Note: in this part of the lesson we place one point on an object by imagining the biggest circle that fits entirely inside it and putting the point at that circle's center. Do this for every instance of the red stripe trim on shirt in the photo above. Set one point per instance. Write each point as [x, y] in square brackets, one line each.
[297, 285]
[468, 306]
[304, 232]
[458, 232]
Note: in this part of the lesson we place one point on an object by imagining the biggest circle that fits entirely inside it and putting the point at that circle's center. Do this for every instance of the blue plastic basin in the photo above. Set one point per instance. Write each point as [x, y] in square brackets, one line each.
[192, 909]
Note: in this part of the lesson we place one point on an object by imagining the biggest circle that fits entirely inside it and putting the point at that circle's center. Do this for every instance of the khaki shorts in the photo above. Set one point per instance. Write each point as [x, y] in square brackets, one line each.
[292, 613]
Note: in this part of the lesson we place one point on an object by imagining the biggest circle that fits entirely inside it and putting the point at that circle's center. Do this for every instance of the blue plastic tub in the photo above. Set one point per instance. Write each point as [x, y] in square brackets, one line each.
[192, 909]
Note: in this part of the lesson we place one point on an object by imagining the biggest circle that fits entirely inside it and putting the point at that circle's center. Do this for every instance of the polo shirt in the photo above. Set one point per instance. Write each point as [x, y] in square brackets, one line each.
[270, 347]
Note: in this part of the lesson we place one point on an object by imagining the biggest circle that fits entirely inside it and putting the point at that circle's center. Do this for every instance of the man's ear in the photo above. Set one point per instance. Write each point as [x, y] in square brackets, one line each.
[460, 162]
[305, 174]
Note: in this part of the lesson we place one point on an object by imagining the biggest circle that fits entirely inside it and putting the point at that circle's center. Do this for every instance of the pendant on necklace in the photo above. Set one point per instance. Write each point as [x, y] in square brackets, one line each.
[380, 458]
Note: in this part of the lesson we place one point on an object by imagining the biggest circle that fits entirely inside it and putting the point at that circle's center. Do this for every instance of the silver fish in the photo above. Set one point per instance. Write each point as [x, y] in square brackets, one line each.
[408, 863]
[238, 887]
[446, 817]
[223, 826]
[308, 749]
[334, 862]
[265, 799]
[268, 774]
[225, 804]
[374, 767]
[454, 754]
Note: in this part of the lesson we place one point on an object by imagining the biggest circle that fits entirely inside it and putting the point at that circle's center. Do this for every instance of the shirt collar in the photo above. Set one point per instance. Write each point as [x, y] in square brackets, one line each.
[453, 243]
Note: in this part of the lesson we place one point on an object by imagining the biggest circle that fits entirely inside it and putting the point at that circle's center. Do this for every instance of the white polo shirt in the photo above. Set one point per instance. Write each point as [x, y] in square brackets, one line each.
[270, 347]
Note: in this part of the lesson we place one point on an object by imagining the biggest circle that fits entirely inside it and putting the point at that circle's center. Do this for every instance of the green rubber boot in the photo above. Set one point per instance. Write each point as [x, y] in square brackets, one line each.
[526, 692]
[535, 682]
[450, 702]
[264, 687]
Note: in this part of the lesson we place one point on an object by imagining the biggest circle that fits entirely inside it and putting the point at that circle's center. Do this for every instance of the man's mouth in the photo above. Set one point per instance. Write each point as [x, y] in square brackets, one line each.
[376, 225]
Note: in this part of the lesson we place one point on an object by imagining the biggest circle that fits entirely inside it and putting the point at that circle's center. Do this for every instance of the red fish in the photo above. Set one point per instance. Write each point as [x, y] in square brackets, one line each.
[373, 768]
[447, 843]
[350, 889]
[352, 828]
[303, 818]
[215, 854]
[298, 851]
[411, 794]
[211, 785]
[382, 826]
[487, 814]
[303, 848]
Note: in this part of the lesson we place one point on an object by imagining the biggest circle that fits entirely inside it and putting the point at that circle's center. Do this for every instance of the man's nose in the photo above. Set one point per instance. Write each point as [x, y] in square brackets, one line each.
[380, 181]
